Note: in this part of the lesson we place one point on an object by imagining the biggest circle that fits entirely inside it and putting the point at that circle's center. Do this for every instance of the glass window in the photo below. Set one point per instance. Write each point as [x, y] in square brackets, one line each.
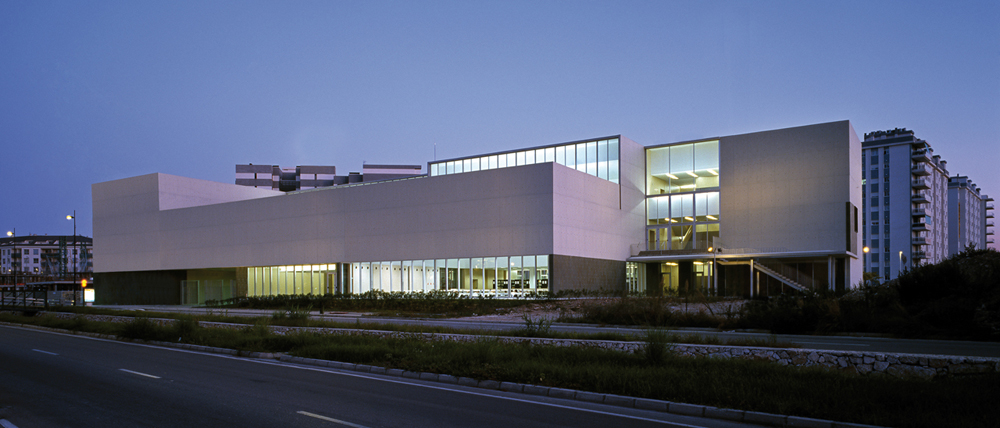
[560, 155]
[539, 155]
[520, 159]
[490, 273]
[475, 164]
[571, 156]
[602, 159]
[592, 158]
[516, 274]
[529, 157]
[494, 163]
[467, 165]
[550, 154]
[706, 156]
[681, 237]
[511, 159]
[681, 159]
[581, 157]
[502, 281]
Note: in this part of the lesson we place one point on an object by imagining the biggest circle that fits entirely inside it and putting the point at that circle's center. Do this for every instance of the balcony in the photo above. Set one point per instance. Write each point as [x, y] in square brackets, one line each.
[920, 184]
[918, 255]
[989, 214]
[919, 199]
[989, 206]
[918, 212]
[989, 224]
[989, 240]
[920, 241]
[921, 170]
[920, 156]
[920, 227]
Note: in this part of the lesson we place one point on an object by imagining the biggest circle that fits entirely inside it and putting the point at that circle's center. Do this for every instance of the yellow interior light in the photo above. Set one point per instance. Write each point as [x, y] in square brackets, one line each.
[691, 173]
[688, 218]
[712, 171]
[711, 217]
[688, 186]
[83, 283]
[698, 263]
[672, 176]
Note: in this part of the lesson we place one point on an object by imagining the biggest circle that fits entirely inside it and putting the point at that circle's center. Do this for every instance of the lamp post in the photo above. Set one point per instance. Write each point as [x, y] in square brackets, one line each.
[864, 258]
[73, 217]
[12, 233]
[900, 263]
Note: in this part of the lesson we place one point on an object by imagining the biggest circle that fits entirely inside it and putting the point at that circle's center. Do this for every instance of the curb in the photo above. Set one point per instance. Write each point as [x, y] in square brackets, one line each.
[710, 412]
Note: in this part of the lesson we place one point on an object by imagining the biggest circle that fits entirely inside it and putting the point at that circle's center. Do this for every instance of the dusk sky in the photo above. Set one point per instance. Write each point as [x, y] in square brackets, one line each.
[98, 91]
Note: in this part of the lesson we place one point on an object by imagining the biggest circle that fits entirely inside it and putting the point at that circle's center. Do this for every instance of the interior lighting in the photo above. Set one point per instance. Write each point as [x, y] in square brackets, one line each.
[671, 264]
[698, 263]
[688, 186]
[691, 173]
[712, 171]
[711, 217]
[672, 176]
[689, 218]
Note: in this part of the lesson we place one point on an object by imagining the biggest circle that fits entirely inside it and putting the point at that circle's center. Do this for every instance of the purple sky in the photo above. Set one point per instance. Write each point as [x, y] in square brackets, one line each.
[97, 91]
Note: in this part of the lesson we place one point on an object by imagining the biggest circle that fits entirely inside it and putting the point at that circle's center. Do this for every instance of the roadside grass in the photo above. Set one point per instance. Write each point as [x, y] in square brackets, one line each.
[659, 374]
[531, 327]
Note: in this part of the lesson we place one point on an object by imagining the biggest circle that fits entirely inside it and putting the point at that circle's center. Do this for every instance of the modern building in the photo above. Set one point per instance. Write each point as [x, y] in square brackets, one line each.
[970, 218]
[905, 202]
[35, 258]
[306, 177]
[749, 214]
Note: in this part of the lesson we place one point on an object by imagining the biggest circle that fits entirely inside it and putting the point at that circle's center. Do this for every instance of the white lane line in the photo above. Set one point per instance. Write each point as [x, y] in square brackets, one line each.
[140, 374]
[833, 343]
[45, 352]
[336, 421]
[460, 391]
[6, 424]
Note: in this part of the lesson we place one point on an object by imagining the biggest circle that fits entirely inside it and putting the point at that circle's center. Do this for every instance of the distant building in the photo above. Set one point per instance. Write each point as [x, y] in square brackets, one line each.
[33, 258]
[969, 216]
[913, 212]
[905, 202]
[305, 177]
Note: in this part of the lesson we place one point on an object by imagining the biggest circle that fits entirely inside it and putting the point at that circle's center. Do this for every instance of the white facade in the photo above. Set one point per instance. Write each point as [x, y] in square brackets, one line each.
[968, 220]
[906, 202]
[779, 204]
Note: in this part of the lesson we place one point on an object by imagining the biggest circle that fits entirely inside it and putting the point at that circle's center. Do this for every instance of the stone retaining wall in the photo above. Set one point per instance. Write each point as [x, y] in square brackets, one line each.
[899, 365]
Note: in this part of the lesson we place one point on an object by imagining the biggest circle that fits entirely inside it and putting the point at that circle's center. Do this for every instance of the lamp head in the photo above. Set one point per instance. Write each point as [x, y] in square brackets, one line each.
[866, 249]
[69, 217]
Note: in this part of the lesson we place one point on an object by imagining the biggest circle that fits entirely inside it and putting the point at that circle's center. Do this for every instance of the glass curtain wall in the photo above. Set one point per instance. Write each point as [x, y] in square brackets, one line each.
[682, 202]
[296, 279]
[500, 276]
[599, 158]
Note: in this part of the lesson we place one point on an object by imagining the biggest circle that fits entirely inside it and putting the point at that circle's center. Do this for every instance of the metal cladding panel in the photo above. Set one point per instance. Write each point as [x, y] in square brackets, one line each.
[788, 188]
[489, 213]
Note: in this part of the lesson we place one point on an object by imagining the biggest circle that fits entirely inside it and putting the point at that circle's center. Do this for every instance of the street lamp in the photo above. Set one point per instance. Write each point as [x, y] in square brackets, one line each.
[12, 233]
[73, 217]
[900, 262]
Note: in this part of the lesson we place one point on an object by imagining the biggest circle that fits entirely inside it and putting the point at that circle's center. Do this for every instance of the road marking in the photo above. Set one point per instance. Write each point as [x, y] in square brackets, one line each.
[462, 391]
[45, 352]
[832, 343]
[5, 423]
[336, 421]
[140, 374]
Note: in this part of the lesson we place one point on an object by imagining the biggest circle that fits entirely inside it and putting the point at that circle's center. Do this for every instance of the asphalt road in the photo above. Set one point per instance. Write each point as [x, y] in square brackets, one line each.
[58, 380]
[837, 343]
